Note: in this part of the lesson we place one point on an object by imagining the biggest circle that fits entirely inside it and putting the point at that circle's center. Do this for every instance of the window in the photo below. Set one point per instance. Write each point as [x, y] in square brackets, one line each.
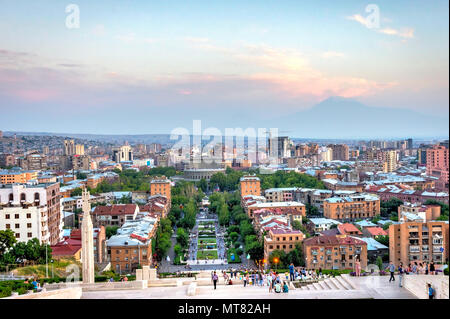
[7, 216]
[16, 216]
[117, 251]
[17, 235]
[28, 215]
[8, 226]
[29, 225]
[30, 235]
[17, 226]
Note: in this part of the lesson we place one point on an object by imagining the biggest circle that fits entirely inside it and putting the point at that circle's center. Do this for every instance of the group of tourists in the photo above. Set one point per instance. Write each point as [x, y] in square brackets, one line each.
[414, 269]
[35, 282]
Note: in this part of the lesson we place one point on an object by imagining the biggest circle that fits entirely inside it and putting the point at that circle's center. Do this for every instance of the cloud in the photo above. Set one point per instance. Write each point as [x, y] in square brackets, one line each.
[332, 54]
[404, 33]
[360, 19]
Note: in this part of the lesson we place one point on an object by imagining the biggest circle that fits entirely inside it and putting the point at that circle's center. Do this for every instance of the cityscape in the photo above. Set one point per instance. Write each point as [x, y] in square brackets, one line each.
[158, 158]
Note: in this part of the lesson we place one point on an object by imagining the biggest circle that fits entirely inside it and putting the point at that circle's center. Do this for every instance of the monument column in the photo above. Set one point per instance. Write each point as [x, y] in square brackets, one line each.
[87, 241]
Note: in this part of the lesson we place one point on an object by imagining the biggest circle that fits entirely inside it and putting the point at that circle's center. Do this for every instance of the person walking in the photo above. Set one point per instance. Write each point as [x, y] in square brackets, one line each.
[400, 275]
[392, 271]
[215, 278]
[431, 291]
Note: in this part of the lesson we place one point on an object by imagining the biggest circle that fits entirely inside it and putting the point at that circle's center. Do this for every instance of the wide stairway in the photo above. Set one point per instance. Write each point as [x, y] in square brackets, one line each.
[333, 283]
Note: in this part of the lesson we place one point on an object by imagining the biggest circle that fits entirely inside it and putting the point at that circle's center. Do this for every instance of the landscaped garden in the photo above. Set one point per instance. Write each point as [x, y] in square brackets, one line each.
[207, 254]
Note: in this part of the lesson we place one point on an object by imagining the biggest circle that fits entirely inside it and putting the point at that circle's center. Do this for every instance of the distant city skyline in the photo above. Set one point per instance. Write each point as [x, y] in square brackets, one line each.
[147, 67]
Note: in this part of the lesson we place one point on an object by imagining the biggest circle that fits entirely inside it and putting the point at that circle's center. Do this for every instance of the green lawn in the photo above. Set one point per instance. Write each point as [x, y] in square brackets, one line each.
[208, 240]
[207, 254]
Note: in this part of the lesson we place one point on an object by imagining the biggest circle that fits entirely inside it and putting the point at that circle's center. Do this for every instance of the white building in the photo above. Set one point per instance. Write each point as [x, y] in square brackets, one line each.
[25, 210]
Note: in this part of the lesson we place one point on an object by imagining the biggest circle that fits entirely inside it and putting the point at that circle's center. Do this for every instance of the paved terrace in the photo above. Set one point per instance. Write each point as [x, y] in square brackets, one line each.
[375, 287]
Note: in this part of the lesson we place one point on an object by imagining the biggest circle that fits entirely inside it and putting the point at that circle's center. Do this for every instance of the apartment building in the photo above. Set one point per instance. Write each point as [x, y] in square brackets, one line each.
[161, 186]
[351, 207]
[132, 246]
[17, 177]
[250, 185]
[281, 239]
[7, 160]
[113, 215]
[33, 162]
[122, 154]
[438, 165]
[334, 252]
[419, 242]
[32, 212]
[296, 206]
[416, 211]
[340, 152]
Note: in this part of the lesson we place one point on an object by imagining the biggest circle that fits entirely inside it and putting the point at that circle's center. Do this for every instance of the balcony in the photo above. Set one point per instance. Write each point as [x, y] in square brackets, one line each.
[414, 249]
[425, 248]
[314, 253]
[437, 249]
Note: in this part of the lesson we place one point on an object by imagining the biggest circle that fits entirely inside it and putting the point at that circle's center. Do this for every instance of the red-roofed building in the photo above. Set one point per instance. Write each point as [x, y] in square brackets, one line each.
[113, 215]
[334, 252]
[374, 232]
[67, 249]
[349, 229]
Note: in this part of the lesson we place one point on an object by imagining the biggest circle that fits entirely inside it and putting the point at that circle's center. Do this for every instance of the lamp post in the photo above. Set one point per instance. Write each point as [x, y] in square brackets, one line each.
[46, 261]
[52, 267]
[276, 261]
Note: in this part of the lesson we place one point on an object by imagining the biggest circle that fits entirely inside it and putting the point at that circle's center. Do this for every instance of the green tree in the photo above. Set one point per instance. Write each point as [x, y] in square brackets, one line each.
[111, 231]
[203, 185]
[182, 237]
[379, 262]
[234, 236]
[7, 240]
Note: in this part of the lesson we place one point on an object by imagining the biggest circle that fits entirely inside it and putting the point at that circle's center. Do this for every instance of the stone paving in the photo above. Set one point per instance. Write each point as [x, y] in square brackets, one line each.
[377, 287]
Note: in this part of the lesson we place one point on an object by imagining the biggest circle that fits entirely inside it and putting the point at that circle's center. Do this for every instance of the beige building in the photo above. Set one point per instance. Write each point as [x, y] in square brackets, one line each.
[418, 242]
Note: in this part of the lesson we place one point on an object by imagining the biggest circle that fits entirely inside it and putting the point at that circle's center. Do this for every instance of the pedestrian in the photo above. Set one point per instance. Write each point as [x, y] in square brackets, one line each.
[291, 272]
[392, 271]
[269, 281]
[215, 278]
[431, 292]
[432, 268]
[414, 268]
[277, 287]
[400, 275]
[285, 287]
[426, 268]
[358, 266]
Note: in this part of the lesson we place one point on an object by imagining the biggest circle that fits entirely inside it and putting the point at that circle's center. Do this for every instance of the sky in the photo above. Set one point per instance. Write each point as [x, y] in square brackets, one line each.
[143, 67]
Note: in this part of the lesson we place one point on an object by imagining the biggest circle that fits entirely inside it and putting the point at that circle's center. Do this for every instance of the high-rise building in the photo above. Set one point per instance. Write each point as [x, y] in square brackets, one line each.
[69, 147]
[389, 161]
[438, 165]
[279, 147]
[410, 143]
[122, 154]
[79, 149]
[340, 152]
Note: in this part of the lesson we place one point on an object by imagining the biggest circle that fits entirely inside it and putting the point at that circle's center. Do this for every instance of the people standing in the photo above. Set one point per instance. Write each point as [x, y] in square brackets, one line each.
[432, 268]
[430, 292]
[358, 266]
[291, 272]
[400, 275]
[269, 281]
[215, 278]
[392, 271]
[426, 268]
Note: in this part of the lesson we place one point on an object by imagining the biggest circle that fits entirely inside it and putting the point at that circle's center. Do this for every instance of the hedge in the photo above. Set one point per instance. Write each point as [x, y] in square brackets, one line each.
[7, 287]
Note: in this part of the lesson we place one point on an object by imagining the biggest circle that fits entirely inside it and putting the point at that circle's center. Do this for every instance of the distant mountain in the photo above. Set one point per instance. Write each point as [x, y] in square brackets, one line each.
[347, 118]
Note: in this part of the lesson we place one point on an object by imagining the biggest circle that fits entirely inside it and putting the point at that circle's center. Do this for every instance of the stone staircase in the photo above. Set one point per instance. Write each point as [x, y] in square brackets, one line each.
[333, 283]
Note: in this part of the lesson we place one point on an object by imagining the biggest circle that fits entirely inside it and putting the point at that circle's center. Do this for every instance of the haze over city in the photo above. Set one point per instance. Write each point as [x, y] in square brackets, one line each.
[146, 67]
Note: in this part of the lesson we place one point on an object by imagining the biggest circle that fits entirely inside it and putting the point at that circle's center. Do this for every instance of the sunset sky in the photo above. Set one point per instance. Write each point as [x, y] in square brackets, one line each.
[148, 66]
